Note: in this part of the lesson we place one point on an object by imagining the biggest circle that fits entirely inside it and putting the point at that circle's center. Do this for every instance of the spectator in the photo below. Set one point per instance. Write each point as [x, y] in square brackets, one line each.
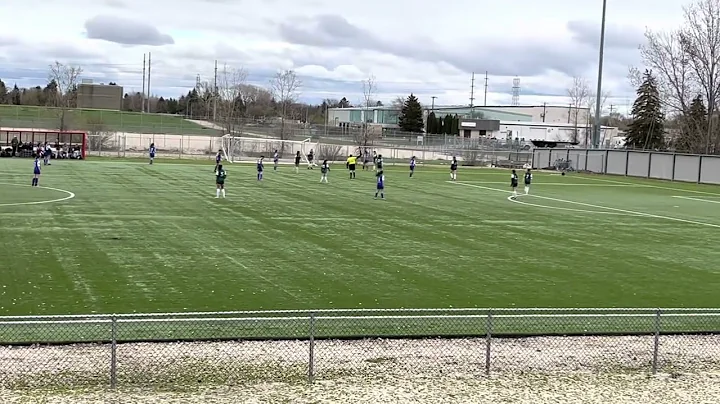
[15, 144]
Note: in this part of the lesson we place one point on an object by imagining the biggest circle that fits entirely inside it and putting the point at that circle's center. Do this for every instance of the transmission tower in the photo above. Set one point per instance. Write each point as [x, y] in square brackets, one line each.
[516, 92]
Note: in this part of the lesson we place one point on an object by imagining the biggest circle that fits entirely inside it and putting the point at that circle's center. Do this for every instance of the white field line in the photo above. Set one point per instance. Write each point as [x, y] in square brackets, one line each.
[630, 212]
[515, 200]
[69, 194]
[716, 194]
[695, 199]
[554, 183]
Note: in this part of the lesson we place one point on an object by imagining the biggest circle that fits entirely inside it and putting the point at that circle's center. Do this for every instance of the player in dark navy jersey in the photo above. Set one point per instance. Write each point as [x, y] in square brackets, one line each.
[380, 185]
[260, 168]
[514, 183]
[412, 166]
[528, 181]
[36, 172]
[220, 176]
[324, 170]
[311, 157]
[152, 152]
[453, 169]
[379, 163]
[297, 162]
[276, 158]
[218, 160]
[47, 154]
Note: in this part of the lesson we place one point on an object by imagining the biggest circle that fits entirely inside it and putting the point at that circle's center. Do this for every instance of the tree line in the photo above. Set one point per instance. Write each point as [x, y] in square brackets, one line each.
[679, 85]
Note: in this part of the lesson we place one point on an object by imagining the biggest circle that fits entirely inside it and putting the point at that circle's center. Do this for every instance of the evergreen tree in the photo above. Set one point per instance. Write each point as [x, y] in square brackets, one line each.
[431, 125]
[694, 128]
[447, 124]
[439, 127]
[411, 115]
[647, 130]
[455, 128]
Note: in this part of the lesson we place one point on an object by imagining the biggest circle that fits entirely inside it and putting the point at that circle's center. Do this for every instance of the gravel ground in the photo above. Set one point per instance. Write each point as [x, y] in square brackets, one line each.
[538, 370]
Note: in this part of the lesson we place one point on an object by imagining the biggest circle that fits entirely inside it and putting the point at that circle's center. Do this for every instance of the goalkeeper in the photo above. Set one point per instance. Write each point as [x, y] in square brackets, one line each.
[351, 164]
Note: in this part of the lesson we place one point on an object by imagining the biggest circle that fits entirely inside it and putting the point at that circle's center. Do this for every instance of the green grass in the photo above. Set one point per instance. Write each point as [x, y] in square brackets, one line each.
[140, 238]
[15, 116]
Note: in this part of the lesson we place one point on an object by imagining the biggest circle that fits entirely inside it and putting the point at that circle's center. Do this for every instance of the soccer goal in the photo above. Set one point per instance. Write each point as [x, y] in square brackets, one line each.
[236, 148]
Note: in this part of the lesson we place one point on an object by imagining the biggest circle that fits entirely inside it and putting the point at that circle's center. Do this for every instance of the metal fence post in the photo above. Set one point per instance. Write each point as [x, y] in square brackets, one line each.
[311, 350]
[113, 352]
[656, 343]
[488, 341]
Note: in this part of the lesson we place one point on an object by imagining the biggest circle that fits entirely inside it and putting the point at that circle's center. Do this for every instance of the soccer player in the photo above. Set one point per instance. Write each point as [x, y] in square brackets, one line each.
[514, 183]
[351, 164]
[220, 176]
[276, 157]
[297, 162]
[36, 171]
[366, 160]
[260, 168]
[310, 157]
[380, 185]
[375, 157]
[218, 160]
[453, 169]
[152, 152]
[379, 163]
[528, 181]
[47, 154]
[412, 166]
[324, 170]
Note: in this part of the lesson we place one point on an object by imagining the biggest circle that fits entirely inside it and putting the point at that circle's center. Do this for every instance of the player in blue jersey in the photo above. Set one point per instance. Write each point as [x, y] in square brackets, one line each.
[380, 185]
[36, 171]
[220, 176]
[153, 150]
[528, 181]
[218, 160]
[413, 163]
[324, 170]
[260, 168]
[276, 158]
[453, 169]
[514, 183]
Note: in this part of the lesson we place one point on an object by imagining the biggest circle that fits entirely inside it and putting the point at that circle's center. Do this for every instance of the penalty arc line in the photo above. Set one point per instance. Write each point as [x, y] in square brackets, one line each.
[70, 195]
[629, 212]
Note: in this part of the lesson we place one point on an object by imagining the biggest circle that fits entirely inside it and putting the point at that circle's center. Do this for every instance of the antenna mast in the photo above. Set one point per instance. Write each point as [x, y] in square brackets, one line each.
[486, 88]
[472, 95]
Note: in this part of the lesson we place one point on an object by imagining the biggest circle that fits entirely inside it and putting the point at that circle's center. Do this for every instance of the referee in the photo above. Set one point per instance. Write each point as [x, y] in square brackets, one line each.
[350, 164]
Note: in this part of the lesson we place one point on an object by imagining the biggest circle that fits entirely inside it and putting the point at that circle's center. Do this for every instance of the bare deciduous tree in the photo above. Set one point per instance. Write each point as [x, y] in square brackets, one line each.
[229, 97]
[285, 87]
[591, 119]
[366, 135]
[578, 92]
[66, 78]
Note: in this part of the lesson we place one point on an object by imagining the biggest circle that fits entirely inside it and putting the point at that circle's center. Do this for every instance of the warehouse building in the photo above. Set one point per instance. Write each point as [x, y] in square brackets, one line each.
[387, 116]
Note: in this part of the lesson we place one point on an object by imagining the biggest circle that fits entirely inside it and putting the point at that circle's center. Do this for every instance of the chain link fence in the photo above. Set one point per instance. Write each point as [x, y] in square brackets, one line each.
[431, 150]
[189, 349]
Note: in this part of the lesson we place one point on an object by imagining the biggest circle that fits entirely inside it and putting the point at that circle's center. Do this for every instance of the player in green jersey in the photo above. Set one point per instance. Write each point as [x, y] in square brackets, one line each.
[220, 175]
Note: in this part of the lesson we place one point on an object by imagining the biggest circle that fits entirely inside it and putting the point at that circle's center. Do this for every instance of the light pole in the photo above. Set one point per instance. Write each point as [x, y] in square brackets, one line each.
[432, 108]
[596, 131]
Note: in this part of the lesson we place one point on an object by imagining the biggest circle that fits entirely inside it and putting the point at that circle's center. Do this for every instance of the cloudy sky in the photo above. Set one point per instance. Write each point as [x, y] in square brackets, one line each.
[426, 47]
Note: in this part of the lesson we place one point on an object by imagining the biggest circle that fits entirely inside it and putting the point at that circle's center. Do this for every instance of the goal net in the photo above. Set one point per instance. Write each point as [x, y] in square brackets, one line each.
[237, 148]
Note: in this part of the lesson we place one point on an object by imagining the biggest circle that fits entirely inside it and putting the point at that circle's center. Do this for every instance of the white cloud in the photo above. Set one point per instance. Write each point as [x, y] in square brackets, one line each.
[429, 48]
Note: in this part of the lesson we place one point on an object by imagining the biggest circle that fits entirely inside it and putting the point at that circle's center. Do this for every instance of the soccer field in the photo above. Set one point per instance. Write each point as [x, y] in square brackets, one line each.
[123, 237]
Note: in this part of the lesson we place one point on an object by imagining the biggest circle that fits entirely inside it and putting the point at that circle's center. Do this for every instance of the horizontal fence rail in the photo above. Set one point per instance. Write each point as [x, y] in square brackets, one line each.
[173, 349]
[633, 163]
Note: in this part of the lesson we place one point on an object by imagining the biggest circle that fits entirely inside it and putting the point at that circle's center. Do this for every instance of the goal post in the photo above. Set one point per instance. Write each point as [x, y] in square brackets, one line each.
[238, 148]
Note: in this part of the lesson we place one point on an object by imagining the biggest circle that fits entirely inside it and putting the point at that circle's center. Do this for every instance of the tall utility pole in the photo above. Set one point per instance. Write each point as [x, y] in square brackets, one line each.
[544, 111]
[472, 96]
[142, 102]
[432, 108]
[215, 94]
[598, 100]
[148, 87]
[486, 88]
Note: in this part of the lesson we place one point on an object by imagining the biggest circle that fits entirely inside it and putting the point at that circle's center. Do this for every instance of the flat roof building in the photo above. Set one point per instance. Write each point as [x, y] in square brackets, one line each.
[99, 96]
